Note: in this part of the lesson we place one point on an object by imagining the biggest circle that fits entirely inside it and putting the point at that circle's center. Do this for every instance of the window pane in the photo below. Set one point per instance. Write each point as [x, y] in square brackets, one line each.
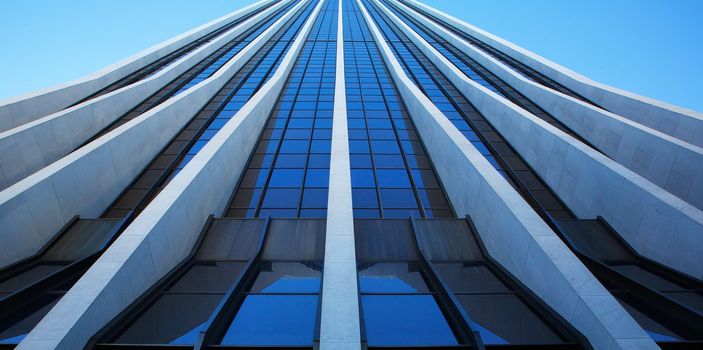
[505, 319]
[30, 276]
[398, 198]
[392, 178]
[463, 278]
[211, 277]
[646, 278]
[172, 319]
[405, 320]
[286, 178]
[287, 277]
[317, 178]
[20, 329]
[246, 198]
[274, 320]
[652, 327]
[281, 198]
[391, 278]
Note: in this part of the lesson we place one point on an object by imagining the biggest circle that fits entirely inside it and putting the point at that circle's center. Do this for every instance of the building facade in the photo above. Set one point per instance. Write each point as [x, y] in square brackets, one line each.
[348, 174]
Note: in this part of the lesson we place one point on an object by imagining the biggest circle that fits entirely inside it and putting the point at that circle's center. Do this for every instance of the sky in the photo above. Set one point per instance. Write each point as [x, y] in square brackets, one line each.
[650, 47]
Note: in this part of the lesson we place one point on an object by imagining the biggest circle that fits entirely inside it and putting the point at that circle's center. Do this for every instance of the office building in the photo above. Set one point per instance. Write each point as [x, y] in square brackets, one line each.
[348, 174]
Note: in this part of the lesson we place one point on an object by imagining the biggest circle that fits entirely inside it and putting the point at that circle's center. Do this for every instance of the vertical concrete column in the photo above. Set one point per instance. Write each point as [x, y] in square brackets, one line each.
[15, 111]
[340, 326]
[668, 162]
[681, 123]
[165, 232]
[514, 234]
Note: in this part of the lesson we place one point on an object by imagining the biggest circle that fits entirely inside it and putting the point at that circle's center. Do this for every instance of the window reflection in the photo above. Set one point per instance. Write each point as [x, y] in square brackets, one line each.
[391, 278]
[398, 320]
[287, 277]
[274, 320]
[172, 319]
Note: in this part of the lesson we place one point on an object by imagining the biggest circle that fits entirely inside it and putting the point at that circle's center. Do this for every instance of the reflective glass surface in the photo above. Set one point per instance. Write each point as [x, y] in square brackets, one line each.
[16, 332]
[213, 116]
[469, 278]
[208, 277]
[405, 320]
[391, 278]
[505, 319]
[287, 277]
[519, 67]
[29, 276]
[175, 318]
[274, 320]
[655, 330]
[391, 175]
[288, 174]
[258, 71]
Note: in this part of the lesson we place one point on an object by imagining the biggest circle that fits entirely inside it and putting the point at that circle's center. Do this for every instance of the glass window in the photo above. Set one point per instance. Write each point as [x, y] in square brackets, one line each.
[172, 319]
[286, 178]
[286, 277]
[467, 278]
[208, 277]
[281, 198]
[362, 178]
[391, 278]
[410, 320]
[505, 319]
[274, 320]
[377, 120]
[398, 198]
[392, 178]
[297, 140]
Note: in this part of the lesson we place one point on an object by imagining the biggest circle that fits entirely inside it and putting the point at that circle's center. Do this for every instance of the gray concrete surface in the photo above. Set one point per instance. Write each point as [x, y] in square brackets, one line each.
[167, 229]
[34, 145]
[656, 223]
[86, 181]
[340, 327]
[25, 108]
[519, 240]
[676, 121]
[668, 162]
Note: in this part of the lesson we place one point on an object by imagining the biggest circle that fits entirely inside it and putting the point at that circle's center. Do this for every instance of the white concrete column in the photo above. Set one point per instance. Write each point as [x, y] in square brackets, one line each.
[513, 233]
[85, 182]
[676, 121]
[25, 108]
[166, 231]
[340, 326]
[656, 223]
[34, 145]
[668, 162]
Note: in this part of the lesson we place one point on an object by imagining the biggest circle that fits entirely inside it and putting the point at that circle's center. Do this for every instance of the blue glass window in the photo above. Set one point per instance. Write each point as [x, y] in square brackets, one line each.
[384, 147]
[297, 137]
[405, 320]
[274, 320]
[399, 308]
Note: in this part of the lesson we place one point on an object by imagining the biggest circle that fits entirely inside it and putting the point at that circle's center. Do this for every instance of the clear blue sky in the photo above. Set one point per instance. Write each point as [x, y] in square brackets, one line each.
[651, 47]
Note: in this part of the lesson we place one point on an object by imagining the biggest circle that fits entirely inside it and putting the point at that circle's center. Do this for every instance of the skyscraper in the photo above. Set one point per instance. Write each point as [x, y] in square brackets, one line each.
[347, 174]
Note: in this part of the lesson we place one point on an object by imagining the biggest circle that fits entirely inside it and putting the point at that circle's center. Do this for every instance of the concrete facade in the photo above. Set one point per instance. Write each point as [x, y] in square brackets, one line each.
[34, 145]
[25, 108]
[590, 183]
[340, 326]
[644, 182]
[673, 120]
[169, 226]
[675, 165]
[86, 181]
[520, 240]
